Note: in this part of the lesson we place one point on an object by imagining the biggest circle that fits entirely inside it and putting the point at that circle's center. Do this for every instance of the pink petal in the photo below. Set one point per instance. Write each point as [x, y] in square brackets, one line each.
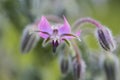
[78, 33]
[44, 26]
[65, 28]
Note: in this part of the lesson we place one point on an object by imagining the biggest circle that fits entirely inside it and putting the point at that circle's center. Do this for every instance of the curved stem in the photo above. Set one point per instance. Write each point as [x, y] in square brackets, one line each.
[87, 20]
[77, 52]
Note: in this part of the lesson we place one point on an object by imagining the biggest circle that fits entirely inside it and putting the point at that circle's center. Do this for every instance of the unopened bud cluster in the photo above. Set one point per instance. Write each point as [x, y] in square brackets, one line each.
[74, 64]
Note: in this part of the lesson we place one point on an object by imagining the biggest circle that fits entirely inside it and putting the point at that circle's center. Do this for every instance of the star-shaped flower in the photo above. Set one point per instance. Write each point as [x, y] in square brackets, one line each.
[55, 34]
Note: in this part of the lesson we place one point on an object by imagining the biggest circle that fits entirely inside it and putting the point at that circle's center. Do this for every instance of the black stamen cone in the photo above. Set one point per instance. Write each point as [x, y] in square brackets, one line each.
[55, 45]
[54, 49]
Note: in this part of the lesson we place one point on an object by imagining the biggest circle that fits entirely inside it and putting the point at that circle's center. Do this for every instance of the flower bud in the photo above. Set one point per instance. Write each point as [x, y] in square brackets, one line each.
[111, 67]
[78, 69]
[64, 66]
[29, 39]
[105, 39]
[64, 60]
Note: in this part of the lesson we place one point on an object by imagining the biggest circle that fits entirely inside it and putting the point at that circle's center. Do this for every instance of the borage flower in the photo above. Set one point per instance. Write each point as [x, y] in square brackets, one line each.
[55, 34]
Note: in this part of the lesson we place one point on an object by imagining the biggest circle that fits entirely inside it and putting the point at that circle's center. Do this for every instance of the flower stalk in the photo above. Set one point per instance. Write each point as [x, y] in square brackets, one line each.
[104, 35]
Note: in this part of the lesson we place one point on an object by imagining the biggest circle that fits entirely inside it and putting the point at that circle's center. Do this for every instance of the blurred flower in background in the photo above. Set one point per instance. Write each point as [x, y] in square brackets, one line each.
[39, 63]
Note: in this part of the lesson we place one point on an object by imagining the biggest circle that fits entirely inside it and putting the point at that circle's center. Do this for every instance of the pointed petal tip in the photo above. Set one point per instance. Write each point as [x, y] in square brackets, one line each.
[65, 21]
[44, 26]
[78, 33]
[65, 28]
[44, 19]
[64, 17]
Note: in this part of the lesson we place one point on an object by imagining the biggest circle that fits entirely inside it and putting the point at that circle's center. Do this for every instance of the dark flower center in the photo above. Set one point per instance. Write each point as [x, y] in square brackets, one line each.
[55, 45]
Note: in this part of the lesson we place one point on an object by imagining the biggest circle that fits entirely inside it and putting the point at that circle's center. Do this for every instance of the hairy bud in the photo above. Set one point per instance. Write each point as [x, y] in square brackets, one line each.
[105, 39]
[64, 66]
[29, 39]
[111, 67]
[78, 69]
[64, 61]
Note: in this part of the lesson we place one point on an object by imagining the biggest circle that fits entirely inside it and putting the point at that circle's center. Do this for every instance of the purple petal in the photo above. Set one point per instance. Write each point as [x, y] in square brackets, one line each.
[44, 26]
[65, 28]
[78, 33]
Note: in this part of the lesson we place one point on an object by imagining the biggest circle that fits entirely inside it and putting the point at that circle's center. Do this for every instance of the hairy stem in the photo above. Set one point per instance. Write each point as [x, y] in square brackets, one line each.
[82, 21]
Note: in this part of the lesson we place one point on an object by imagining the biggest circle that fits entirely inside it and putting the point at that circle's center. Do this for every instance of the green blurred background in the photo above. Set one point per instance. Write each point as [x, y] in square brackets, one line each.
[40, 64]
